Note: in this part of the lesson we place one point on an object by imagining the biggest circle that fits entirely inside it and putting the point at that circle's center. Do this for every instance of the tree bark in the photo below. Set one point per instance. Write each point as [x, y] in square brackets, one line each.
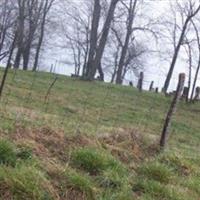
[39, 45]
[177, 49]
[47, 6]
[101, 74]
[198, 67]
[20, 38]
[8, 65]
[190, 72]
[131, 15]
[93, 36]
[34, 9]
[102, 42]
[175, 56]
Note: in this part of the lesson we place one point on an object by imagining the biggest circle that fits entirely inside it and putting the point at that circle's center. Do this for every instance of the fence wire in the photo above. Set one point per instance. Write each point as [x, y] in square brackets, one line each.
[28, 94]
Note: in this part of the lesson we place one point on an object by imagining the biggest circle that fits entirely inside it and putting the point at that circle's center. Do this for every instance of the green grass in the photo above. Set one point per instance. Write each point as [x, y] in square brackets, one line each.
[79, 182]
[94, 162]
[35, 164]
[156, 171]
[7, 153]
[151, 189]
[23, 182]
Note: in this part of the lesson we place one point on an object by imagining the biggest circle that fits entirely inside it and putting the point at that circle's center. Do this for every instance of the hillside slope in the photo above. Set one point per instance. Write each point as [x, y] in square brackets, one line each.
[91, 140]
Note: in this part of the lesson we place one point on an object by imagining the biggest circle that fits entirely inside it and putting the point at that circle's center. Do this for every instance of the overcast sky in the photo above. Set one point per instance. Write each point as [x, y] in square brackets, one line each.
[154, 72]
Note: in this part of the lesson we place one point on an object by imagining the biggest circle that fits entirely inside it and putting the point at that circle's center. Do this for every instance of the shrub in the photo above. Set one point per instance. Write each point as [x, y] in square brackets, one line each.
[7, 153]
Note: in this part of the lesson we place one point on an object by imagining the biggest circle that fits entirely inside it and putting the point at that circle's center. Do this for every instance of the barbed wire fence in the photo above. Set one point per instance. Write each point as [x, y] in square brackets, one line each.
[27, 91]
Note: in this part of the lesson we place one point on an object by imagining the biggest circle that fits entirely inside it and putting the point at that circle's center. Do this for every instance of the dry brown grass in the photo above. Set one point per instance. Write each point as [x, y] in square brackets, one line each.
[5, 193]
[47, 143]
[53, 148]
[128, 145]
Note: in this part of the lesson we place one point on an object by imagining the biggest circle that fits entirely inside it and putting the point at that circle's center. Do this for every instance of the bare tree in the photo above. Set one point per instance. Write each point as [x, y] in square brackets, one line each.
[8, 63]
[131, 14]
[188, 49]
[91, 70]
[75, 32]
[46, 8]
[7, 20]
[198, 65]
[188, 12]
[20, 28]
[93, 36]
[34, 8]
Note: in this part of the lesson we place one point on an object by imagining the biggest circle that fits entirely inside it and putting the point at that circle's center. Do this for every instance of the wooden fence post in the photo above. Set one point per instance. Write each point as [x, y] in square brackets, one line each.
[157, 90]
[172, 110]
[197, 94]
[140, 82]
[131, 83]
[185, 93]
[151, 86]
[51, 69]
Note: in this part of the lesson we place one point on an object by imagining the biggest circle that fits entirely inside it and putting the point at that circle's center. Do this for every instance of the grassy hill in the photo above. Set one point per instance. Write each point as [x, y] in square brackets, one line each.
[93, 141]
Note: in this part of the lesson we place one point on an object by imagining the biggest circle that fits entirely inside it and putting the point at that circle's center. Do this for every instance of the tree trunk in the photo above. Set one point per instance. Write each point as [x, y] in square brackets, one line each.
[101, 74]
[175, 56]
[119, 78]
[26, 56]
[93, 36]
[47, 6]
[20, 38]
[41, 37]
[190, 72]
[8, 65]
[102, 42]
[198, 67]
[177, 49]
[18, 58]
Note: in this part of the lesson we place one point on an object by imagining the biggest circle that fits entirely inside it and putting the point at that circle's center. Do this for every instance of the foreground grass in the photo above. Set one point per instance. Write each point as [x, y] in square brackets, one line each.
[93, 141]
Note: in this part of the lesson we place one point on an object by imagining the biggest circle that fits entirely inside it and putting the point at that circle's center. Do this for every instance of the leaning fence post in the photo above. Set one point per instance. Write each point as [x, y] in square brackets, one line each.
[157, 90]
[140, 81]
[172, 110]
[151, 86]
